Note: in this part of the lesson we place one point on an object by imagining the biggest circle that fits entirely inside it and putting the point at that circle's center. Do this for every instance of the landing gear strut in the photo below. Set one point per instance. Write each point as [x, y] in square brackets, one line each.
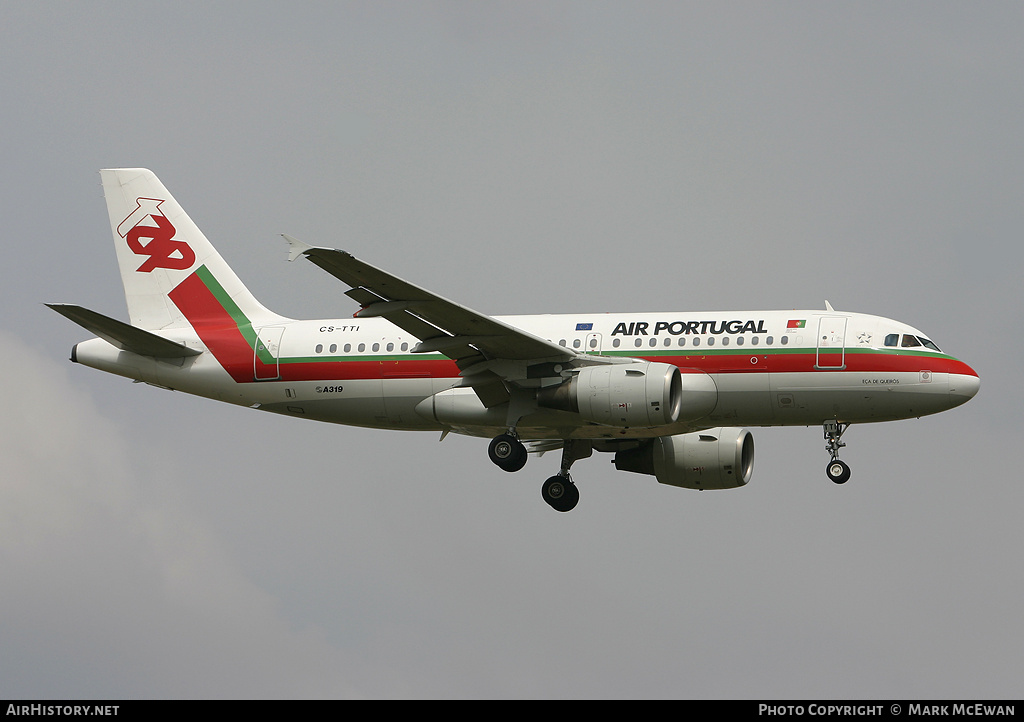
[838, 471]
[559, 491]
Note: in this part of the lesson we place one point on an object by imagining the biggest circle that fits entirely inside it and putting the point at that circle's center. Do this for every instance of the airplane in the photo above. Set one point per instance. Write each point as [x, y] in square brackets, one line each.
[668, 394]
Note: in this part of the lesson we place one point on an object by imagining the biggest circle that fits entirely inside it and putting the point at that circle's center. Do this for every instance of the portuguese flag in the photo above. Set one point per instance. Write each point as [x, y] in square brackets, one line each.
[796, 324]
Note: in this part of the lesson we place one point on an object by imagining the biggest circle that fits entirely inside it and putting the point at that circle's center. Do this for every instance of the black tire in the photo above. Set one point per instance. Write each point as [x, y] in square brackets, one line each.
[507, 452]
[560, 493]
[838, 471]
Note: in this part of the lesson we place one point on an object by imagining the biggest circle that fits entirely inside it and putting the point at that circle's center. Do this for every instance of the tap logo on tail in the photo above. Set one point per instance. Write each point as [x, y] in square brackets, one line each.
[156, 241]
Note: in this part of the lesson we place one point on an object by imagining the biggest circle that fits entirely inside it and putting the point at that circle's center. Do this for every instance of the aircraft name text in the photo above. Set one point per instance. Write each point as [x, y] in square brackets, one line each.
[676, 328]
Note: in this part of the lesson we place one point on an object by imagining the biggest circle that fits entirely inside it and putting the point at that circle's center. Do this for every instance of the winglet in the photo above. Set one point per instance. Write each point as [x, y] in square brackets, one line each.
[296, 247]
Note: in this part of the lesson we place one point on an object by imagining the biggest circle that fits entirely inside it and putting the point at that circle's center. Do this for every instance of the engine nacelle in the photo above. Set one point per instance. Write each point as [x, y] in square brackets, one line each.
[712, 459]
[641, 394]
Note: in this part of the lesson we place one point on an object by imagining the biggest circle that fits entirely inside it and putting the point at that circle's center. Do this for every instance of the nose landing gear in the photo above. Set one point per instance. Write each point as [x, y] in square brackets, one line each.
[838, 471]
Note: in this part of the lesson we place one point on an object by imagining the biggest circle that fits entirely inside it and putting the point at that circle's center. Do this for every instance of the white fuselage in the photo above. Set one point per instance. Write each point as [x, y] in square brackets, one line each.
[769, 367]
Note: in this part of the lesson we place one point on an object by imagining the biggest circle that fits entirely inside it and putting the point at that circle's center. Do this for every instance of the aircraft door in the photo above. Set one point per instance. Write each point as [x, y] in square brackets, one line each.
[265, 364]
[831, 343]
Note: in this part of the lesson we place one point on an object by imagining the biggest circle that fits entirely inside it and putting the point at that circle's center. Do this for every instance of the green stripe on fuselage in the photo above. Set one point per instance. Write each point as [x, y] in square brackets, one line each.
[232, 309]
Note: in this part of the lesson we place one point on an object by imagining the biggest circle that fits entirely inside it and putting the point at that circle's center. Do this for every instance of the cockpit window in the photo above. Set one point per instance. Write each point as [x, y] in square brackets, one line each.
[910, 341]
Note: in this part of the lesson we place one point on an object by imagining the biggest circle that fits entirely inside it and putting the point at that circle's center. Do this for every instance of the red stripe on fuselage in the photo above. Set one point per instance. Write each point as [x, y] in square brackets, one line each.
[215, 327]
[342, 369]
[353, 369]
[222, 336]
[797, 362]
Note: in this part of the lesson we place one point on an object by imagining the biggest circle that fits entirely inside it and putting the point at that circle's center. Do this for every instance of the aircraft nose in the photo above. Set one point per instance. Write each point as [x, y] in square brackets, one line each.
[963, 387]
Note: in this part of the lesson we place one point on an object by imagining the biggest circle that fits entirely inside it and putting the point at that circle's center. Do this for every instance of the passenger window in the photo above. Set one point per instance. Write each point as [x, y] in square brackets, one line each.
[639, 342]
[784, 340]
[561, 342]
[682, 341]
[576, 343]
[362, 347]
[319, 348]
[405, 346]
[711, 341]
[668, 342]
[653, 342]
[615, 343]
[348, 348]
[909, 341]
[769, 340]
[391, 347]
[739, 340]
[593, 343]
[334, 347]
[755, 340]
[725, 340]
[376, 347]
[696, 341]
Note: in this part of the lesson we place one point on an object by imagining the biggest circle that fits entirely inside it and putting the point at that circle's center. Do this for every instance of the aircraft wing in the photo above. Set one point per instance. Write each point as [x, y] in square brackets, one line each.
[462, 334]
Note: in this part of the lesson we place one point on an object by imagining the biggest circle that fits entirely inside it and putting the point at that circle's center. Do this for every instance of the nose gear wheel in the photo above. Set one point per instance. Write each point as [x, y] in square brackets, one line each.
[838, 471]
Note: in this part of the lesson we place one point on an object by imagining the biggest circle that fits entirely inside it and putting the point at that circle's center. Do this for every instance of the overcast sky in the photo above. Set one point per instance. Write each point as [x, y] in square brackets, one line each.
[519, 157]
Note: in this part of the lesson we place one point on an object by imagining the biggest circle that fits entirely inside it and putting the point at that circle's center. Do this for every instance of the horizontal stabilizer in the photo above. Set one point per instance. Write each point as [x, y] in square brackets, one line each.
[122, 335]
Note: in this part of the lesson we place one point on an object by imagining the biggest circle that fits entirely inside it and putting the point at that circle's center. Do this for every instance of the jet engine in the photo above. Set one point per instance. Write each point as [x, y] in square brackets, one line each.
[712, 459]
[642, 394]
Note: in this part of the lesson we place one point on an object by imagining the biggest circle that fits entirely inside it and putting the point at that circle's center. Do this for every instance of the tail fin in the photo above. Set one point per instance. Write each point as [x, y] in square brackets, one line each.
[163, 256]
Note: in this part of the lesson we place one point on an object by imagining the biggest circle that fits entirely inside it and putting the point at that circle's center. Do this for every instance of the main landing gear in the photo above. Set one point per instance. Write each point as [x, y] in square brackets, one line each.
[838, 471]
[559, 491]
[507, 452]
